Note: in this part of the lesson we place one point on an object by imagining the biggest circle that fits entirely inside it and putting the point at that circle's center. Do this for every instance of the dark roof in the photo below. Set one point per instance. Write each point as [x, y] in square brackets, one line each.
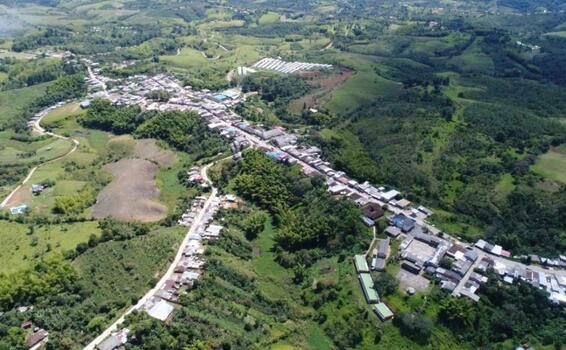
[36, 337]
[372, 211]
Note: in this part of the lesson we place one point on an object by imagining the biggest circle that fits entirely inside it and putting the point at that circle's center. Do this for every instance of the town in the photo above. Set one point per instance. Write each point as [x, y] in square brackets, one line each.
[424, 252]
[423, 246]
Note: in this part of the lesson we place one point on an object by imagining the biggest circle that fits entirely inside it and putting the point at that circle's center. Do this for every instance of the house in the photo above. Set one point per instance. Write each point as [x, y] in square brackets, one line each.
[383, 312]
[402, 203]
[114, 341]
[411, 267]
[372, 211]
[85, 104]
[378, 264]
[37, 188]
[403, 222]
[367, 286]
[160, 310]
[361, 264]
[389, 195]
[382, 248]
[392, 231]
[36, 337]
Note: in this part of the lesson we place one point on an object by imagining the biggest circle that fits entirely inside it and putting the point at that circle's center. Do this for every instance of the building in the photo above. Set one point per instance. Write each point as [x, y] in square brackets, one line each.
[382, 248]
[114, 341]
[389, 195]
[383, 312]
[20, 209]
[378, 264]
[361, 264]
[411, 267]
[403, 222]
[372, 211]
[367, 286]
[36, 337]
[392, 231]
[161, 310]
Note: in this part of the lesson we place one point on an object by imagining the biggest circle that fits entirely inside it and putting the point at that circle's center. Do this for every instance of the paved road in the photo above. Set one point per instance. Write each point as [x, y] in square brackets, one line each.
[196, 223]
[41, 131]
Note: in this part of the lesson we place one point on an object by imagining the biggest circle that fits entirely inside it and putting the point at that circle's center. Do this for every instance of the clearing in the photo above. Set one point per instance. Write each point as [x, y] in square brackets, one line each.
[324, 85]
[552, 164]
[132, 194]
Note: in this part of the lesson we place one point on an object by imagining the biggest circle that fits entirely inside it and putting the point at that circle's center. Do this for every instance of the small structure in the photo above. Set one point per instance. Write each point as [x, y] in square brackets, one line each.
[36, 337]
[383, 312]
[36, 189]
[361, 264]
[114, 341]
[20, 209]
[85, 104]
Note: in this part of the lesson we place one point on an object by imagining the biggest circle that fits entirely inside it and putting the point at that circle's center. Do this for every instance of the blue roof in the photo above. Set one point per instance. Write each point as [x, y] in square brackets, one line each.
[403, 222]
[220, 97]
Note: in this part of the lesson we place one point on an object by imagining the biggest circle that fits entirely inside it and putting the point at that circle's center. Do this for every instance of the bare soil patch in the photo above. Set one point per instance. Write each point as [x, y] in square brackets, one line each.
[21, 196]
[149, 150]
[131, 194]
[324, 84]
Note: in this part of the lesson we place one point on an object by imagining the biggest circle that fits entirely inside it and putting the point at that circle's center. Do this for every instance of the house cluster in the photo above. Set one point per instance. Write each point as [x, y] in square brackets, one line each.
[551, 281]
[423, 246]
[492, 248]
[367, 284]
[190, 266]
[458, 275]
[191, 213]
[194, 177]
[278, 65]
[35, 335]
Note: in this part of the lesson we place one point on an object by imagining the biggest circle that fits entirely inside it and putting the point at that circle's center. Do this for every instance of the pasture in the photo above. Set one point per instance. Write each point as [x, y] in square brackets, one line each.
[552, 164]
[28, 243]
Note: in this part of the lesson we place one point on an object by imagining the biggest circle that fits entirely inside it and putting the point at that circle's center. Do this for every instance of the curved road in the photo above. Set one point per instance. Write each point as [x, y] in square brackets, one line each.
[41, 131]
[196, 223]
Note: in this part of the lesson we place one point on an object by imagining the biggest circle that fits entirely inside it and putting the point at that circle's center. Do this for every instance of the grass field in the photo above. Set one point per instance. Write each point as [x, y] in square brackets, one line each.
[361, 88]
[27, 246]
[15, 152]
[268, 18]
[552, 164]
[12, 102]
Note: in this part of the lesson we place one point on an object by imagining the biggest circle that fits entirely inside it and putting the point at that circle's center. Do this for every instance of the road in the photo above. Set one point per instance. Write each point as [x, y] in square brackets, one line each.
[167, 275]
[41, 131]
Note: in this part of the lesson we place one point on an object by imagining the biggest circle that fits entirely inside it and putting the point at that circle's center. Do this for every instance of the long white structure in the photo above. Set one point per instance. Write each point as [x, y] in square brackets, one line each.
[278, 65]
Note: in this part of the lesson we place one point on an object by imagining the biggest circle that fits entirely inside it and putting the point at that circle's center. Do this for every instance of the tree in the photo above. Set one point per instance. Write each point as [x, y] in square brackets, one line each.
[386, 284]
[415, 326]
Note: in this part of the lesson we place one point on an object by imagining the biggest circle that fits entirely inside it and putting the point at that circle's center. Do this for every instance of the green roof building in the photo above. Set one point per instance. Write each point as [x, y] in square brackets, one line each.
[383, 312]
[361, 263]
[367, 286]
